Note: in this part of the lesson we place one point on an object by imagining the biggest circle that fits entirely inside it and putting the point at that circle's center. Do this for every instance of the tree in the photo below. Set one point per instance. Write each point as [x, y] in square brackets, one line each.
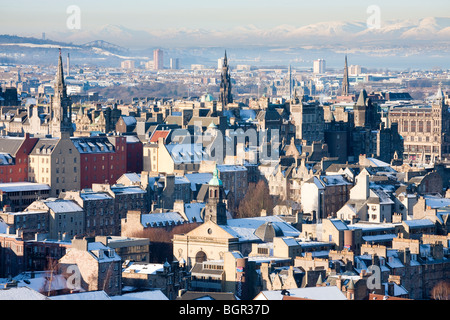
[161, 245]
[256, 199]
[441, 291]
[51, 270]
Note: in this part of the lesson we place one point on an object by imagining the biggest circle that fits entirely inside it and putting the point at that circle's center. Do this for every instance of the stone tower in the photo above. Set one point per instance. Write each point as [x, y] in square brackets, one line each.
[225, 83]
[215, 209]
[365, 112]
[441, 124]
[61, 106]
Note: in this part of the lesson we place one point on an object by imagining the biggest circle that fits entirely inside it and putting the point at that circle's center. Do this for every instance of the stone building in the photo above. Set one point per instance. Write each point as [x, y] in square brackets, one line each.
[324, 195]
[131, 249]
[64, 217]
[17, 196]
[425, 130]
[100, 218]
[96, 119]
[170, 278]
[56, 162]
[308, 119]
[125, 198]
[96, 267]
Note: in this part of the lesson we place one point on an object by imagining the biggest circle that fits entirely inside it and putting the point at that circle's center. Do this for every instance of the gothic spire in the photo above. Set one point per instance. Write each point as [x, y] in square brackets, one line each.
[345, 82]
[59, 84]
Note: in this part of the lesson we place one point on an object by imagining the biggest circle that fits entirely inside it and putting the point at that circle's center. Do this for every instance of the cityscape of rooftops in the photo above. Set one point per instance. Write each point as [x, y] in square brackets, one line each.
[235, 151]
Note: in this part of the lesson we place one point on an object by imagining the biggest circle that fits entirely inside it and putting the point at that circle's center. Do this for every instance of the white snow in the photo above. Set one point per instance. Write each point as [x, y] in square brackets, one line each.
[313, 293]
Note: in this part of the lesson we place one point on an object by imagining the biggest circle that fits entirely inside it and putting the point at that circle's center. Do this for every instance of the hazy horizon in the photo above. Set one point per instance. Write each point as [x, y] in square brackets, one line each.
[201, 22]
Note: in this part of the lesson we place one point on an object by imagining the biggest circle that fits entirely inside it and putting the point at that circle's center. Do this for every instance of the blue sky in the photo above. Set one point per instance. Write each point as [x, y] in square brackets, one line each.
[19, 16]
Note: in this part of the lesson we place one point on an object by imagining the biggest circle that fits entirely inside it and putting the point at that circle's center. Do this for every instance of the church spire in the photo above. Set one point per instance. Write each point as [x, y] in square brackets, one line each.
[345, 82]
[61, 106]
[60, 85]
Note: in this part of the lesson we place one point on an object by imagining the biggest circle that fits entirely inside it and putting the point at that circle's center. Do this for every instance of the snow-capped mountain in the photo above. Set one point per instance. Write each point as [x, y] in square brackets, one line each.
[430, 28]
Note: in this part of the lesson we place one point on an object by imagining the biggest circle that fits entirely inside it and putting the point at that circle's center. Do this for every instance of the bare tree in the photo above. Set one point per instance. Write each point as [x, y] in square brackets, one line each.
[51, 269]
[161, 246]
[256, 199]
[441, 291]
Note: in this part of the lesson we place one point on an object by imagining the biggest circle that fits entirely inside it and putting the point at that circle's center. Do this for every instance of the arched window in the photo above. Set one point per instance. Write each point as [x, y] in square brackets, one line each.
[200, 257]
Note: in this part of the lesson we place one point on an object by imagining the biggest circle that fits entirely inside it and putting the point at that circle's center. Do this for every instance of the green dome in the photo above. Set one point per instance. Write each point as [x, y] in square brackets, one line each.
[207, 98]
[215, 181]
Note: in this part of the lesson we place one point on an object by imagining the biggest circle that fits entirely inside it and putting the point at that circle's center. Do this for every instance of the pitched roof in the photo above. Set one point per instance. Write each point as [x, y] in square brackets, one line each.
[21, 293]
[45, 146]
[10, 144]
[159, 134]
[93, 145]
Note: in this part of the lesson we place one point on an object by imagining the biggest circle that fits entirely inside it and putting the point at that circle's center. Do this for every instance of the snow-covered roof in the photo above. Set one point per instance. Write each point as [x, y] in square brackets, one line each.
[133, 177]
[121, 189]
[186, 153]
[181, 180]
[436, 202]
[377, 163]
[129, 120]
[419, 223]
[61, 205]
[93, 145]
[244, 229]
[193, 210]
[144, 268]
[38, 281]
[23, 186]
[379, 237]
[332, 180]
[313, 293]
[21, 293]
[89, 295]
[95, 196]
[398, 289]
[6, 159]
[102, 253]
[143, 295]
[339, 224]
[229, 167]
[198, 178]
[161, 219]
[290, 241]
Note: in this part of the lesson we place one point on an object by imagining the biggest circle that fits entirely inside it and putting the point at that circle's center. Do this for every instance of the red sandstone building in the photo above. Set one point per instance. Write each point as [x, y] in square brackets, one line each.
[14, 153]
[102, 159]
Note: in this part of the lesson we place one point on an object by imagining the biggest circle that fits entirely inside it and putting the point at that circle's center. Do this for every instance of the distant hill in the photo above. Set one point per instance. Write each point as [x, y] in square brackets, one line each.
[10, 39]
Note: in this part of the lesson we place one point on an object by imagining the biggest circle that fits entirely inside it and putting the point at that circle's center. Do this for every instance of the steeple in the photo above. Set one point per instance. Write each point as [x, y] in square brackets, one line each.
[345, 82]
[290, 82]
[61, 106]
[225, 83]
[215, 209]
[60, 86]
